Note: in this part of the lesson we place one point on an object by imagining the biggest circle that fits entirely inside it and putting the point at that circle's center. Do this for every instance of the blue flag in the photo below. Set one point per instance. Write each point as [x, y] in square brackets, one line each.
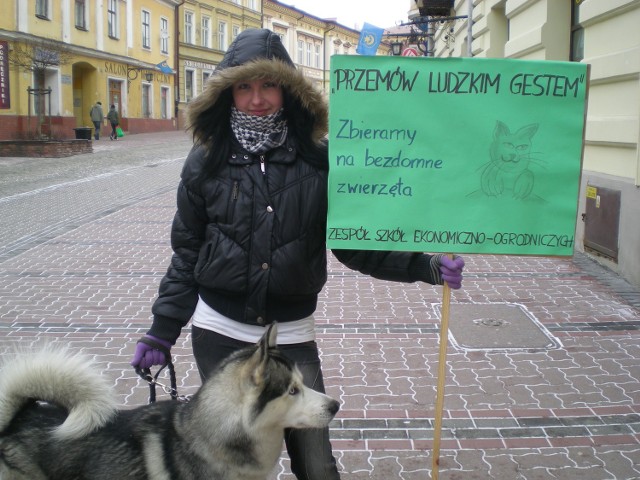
[164, 67]
[370, 38]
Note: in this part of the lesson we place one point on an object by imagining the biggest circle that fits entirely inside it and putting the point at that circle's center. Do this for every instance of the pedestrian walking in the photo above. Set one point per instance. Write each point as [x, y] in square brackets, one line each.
[114, 120]
[250, 228]
[97, 117]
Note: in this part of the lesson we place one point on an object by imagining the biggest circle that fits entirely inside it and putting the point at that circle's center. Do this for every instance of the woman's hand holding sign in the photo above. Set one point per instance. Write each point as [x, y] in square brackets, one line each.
[450, 269]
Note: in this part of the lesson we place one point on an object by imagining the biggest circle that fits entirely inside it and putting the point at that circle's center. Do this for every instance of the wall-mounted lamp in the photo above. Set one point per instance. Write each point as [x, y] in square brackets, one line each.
[396, 48]
[132, 74]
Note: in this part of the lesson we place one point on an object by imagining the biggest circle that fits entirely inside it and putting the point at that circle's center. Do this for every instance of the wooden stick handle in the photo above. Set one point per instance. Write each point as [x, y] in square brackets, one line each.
[442, 375]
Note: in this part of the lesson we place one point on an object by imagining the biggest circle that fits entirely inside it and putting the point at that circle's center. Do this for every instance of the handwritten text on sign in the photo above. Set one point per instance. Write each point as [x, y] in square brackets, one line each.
[455, 155]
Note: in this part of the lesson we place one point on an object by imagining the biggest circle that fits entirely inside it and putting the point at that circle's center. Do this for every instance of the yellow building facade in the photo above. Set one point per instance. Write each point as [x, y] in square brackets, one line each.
[63, 56]
[149, 58]
[207, 28]
[311, 41]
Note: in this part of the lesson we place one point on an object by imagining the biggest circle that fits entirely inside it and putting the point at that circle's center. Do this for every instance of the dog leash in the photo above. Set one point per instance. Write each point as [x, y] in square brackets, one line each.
[152, 380]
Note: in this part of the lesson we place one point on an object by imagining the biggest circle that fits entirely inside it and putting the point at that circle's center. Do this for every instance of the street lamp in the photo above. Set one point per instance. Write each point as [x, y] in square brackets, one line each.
[396, 48]
[423, 36]
[434, 8]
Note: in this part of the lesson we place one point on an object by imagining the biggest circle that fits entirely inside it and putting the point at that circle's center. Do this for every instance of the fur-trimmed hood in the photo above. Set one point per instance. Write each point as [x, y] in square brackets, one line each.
[255, 54]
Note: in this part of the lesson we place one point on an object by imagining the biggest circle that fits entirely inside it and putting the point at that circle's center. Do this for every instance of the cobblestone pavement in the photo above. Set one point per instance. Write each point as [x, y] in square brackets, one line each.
[42, 198]
[570, 411]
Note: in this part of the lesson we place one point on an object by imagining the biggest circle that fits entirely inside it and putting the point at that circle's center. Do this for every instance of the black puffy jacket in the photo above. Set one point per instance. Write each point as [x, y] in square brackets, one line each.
[252, 244]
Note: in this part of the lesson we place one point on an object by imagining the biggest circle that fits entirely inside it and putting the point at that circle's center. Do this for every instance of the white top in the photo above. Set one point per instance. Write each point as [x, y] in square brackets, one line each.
[297, 331]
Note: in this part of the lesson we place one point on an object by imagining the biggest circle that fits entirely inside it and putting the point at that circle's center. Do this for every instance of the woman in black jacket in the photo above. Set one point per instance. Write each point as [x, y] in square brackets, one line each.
[250, 228]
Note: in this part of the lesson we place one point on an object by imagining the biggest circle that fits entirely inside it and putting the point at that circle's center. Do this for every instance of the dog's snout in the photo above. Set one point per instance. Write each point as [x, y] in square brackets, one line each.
[333, 407]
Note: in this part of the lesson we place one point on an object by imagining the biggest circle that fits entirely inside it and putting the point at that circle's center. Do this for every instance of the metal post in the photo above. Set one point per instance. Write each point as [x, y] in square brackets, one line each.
[470, 28]
[431, 39]
[29, 109]
[49, 93]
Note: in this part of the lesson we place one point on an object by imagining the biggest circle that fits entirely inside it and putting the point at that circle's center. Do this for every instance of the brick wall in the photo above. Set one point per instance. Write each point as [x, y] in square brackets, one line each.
[147, 125]
[17, 127]
[45, 149]
[14, 127]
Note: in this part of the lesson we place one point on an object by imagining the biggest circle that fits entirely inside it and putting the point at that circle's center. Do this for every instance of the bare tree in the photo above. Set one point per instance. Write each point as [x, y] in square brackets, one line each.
[37, 55]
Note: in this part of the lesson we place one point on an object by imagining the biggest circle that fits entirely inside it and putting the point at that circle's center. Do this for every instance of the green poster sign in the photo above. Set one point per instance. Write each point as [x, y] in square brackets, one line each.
[457, 155]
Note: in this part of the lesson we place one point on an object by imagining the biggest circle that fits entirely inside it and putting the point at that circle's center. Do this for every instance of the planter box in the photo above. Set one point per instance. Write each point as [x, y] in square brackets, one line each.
[83, 133]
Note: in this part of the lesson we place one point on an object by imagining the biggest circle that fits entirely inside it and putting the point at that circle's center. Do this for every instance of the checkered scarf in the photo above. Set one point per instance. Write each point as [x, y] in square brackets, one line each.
[259, 134]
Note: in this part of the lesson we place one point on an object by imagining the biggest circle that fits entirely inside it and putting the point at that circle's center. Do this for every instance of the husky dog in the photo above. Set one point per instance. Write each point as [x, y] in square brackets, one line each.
[58, 421]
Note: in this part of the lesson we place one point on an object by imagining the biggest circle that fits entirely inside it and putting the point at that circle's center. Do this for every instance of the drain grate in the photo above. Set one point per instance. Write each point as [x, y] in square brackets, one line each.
[497, 326]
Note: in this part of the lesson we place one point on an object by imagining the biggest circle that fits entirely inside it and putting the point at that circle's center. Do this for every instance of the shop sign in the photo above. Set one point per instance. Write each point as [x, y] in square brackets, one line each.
[203, 65]
[115, 69]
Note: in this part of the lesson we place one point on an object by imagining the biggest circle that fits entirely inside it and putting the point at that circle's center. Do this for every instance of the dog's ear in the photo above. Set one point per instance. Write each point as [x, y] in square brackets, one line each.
[269, 338]
[271, 335]
[261, 357]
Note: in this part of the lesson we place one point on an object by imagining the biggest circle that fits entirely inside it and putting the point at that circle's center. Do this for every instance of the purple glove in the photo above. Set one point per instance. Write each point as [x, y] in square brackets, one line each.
[450, 269]
[146, 356]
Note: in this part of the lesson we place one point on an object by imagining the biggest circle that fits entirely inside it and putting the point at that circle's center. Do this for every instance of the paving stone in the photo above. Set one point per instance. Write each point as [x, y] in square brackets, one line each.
[568, 412]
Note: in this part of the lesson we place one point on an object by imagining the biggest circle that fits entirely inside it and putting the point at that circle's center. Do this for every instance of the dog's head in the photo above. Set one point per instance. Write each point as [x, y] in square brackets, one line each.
[275, 392]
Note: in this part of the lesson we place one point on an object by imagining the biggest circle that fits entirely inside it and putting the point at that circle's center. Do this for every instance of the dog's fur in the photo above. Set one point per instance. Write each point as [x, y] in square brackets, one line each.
[58, 421]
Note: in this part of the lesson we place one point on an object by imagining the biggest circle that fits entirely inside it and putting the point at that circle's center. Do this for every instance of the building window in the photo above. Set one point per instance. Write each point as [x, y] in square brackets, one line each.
[300, 52]
[42, 8]
[309, 49]
[317, 56]
[112, 19]
[577, 33]
[188, 85]
[188, 27]
[205, 77]
[222, 36]
[164, 102]
[206, 32]
[115, 94]
[80, 14]
[235, 31]
[146, 29]
[164, 35]
[251, 4]
[146, 100]
[282, 33]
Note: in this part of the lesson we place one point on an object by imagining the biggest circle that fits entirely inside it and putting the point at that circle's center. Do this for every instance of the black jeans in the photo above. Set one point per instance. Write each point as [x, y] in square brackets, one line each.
[309, 449]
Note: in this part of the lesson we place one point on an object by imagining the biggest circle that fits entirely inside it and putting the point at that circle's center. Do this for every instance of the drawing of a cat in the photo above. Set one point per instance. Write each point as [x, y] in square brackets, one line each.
[508, 172]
